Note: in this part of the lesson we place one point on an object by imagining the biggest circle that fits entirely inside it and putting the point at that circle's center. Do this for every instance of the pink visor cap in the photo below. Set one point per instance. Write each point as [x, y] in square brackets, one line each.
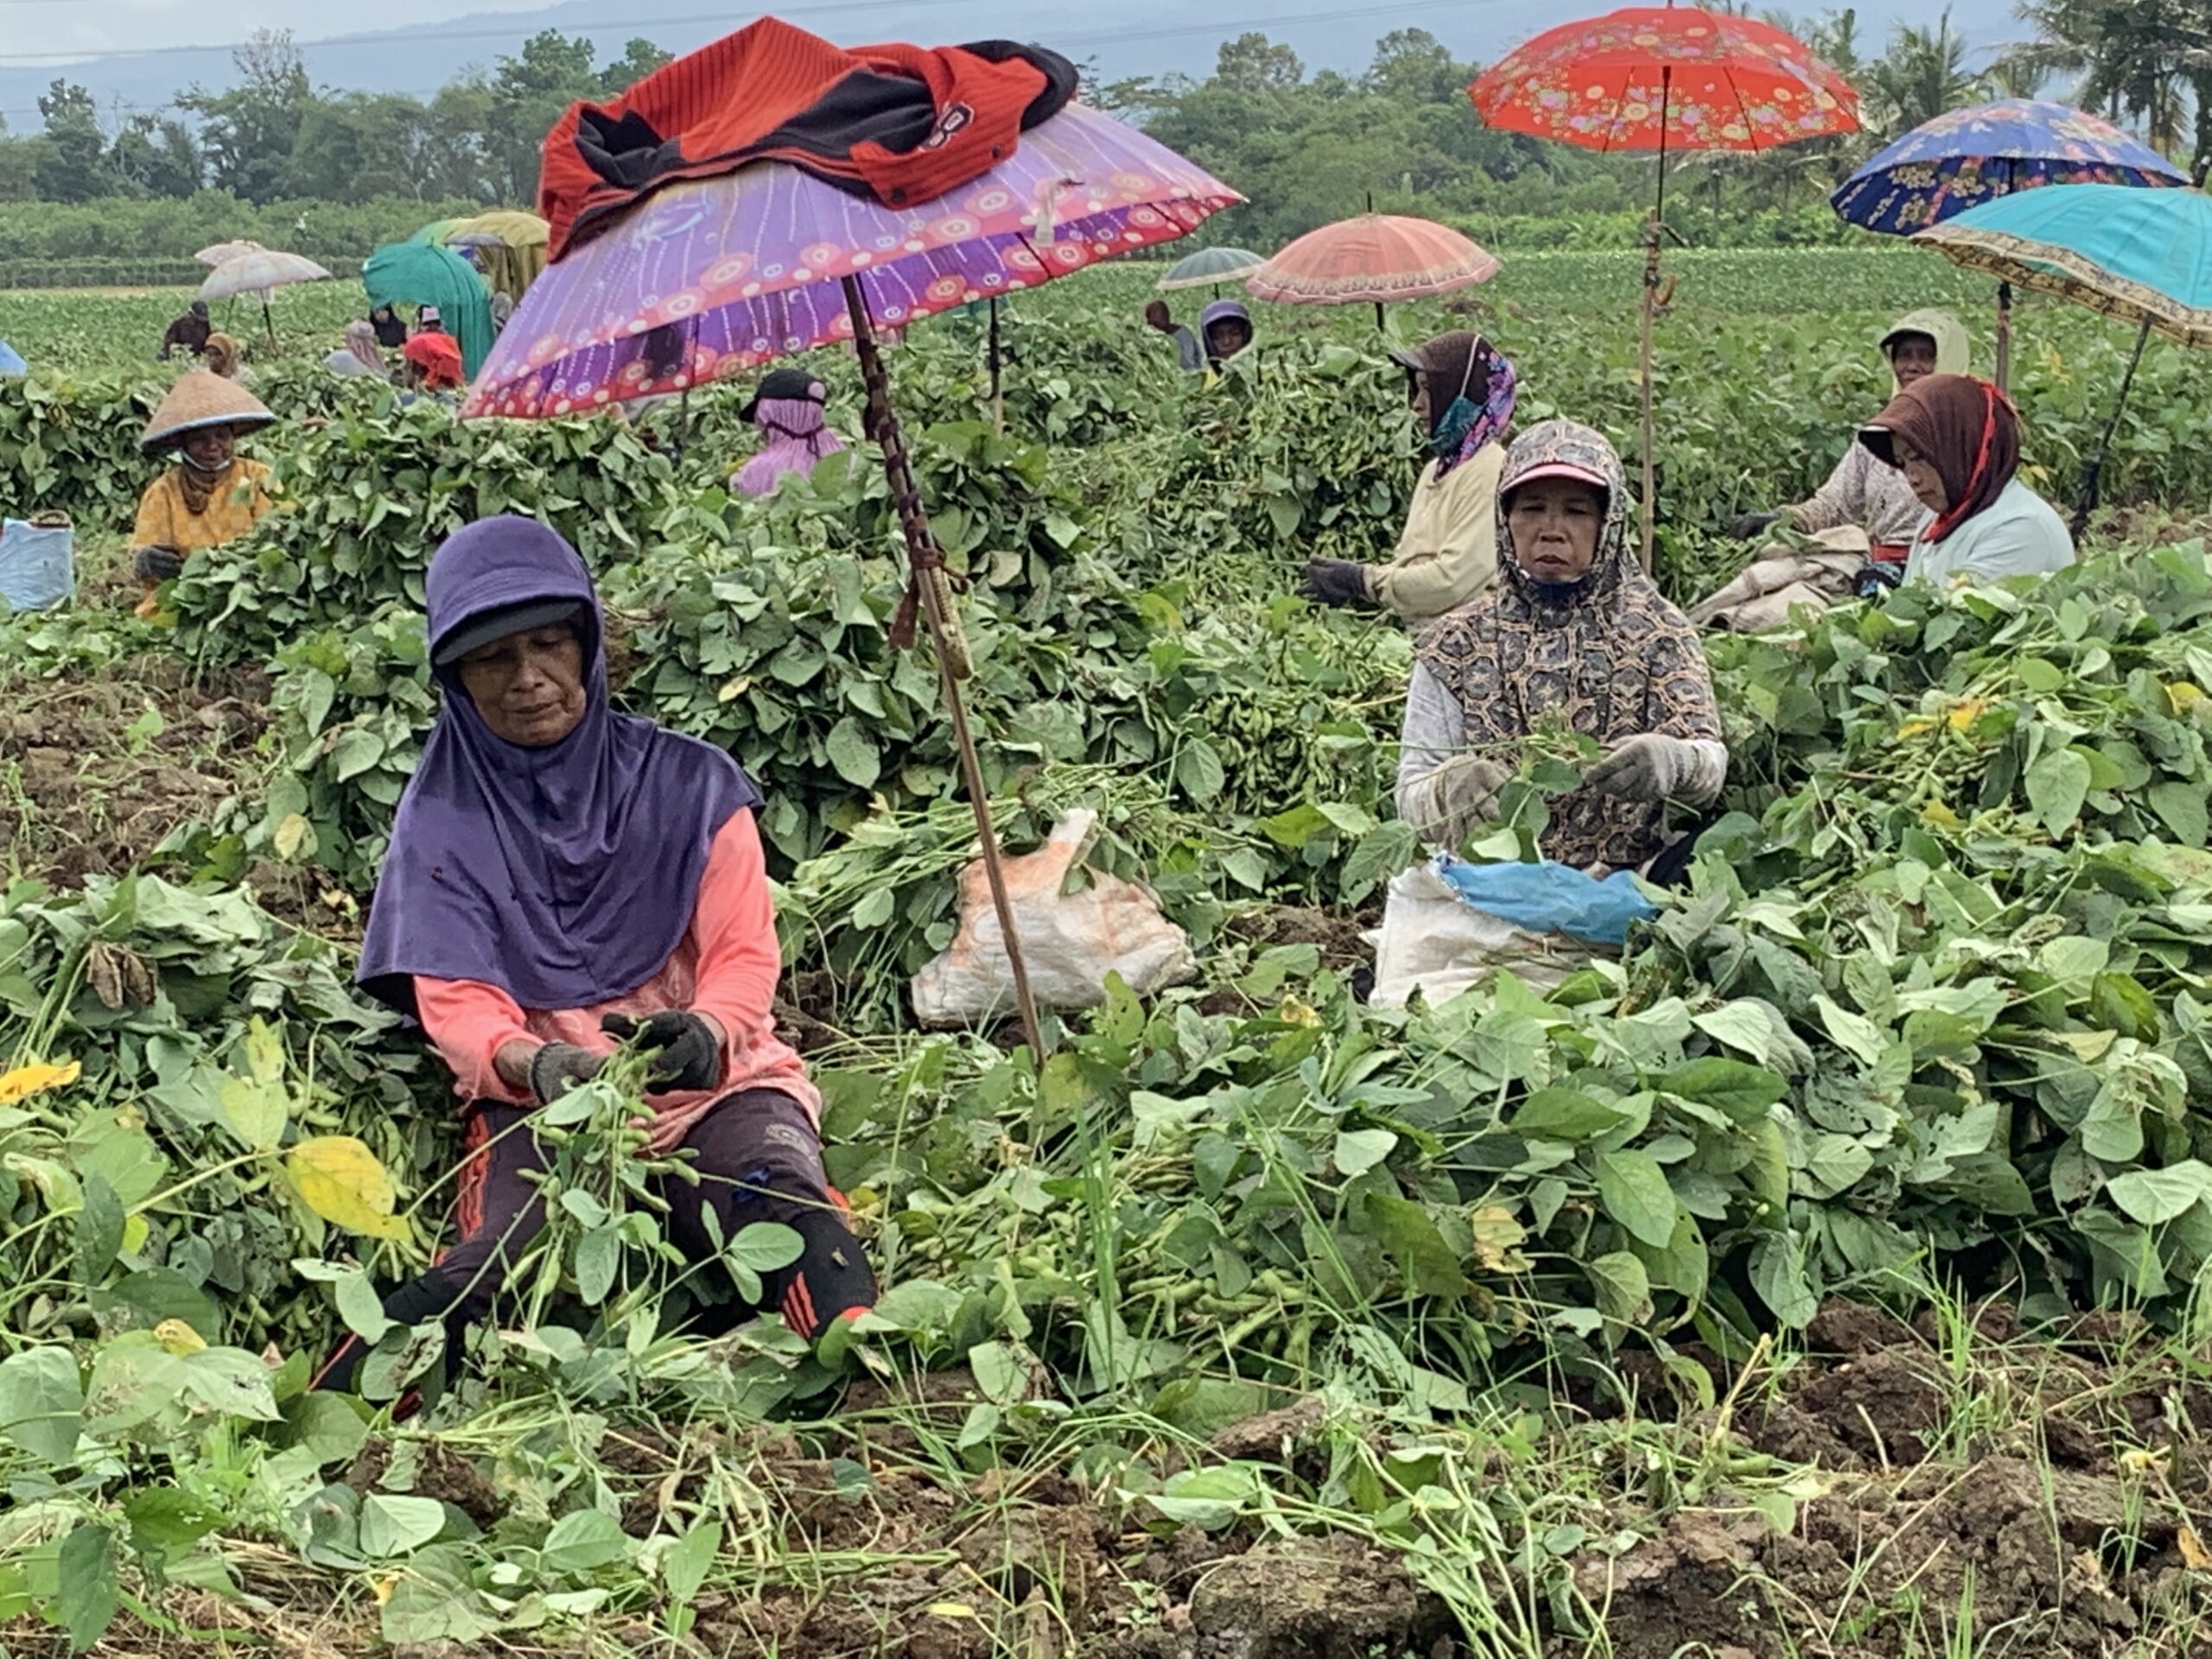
[1563, 469]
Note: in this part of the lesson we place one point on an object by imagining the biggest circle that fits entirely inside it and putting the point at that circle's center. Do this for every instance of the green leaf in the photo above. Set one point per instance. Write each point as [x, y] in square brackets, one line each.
[1855, 1033]
[1836, 1164]
[1777, 1272]
[254, 1112]
[1634, 1190]
[584, 1541]
[392, 1525]
[1621, 1286]
[599, 1254]
[2057, 784]
[2180, 807]
[357, 750]
[999, 1372]
[1358, 1151]
[765, 1246]
[42, 1402]
[358, 1305]
[684, 1569]
[90, 1596]
[99, 1230]
[1741, 1092]
[2155, 1197]
[853, 753]
[1198, 770]
[1409, 1234]
[1564, 1115]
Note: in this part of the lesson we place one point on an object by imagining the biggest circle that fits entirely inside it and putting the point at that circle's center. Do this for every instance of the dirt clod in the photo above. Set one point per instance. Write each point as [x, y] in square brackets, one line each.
[1314, 1600]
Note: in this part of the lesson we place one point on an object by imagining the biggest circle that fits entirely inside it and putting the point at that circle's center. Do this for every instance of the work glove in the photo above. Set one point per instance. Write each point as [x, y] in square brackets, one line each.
[559, 1067]
[1745, 525]
[1877, 577]
[157, 563]
[1336, 581]
[1458, 796]
[1654, 767]
[687, 1053]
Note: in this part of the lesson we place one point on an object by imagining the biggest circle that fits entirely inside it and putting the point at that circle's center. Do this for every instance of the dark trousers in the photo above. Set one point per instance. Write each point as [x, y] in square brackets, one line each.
[757, 1157]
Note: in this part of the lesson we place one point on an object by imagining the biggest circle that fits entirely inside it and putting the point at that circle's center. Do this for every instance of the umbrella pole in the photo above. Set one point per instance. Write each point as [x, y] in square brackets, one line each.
[998, 396]
[269, 322]
[2092, 470]
[1651, 232]
[1379, 325]
[2004, 338]
[926, 561]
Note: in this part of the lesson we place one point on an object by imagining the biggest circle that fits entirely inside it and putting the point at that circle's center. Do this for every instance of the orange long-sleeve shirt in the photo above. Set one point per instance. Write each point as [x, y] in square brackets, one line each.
[727, 966]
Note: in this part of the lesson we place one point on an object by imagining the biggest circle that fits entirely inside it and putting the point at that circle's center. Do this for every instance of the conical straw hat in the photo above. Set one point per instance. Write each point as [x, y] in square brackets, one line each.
[199, 399]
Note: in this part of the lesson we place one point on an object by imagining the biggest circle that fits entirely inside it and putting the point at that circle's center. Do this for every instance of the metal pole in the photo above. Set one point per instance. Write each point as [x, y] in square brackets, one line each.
[2004, 338]
[2085, 501]
[925, 559]
[1651, 234]
[998, 398]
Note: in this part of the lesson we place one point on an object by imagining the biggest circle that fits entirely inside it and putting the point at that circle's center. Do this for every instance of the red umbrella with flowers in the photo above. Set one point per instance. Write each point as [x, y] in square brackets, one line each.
[771, 192]
[1661, 78]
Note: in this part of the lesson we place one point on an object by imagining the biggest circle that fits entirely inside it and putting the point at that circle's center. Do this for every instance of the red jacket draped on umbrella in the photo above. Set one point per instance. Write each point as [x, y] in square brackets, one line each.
[903, 124]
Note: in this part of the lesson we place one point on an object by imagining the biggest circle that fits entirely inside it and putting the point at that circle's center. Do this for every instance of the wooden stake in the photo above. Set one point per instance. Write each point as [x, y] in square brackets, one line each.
[1652, 231]
[926, 580]
[2004, 338]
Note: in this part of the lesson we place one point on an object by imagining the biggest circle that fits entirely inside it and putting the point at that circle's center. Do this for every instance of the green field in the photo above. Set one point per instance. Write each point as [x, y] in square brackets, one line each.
[1828, 1275]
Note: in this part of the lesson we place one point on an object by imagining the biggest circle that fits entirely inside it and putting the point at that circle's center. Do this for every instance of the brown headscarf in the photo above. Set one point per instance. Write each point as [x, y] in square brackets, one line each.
[223, 355]
[1457, 366]
[1967, 430]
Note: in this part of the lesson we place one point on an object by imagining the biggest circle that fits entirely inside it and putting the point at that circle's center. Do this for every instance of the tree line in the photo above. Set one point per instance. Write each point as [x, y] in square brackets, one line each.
[1307, 148]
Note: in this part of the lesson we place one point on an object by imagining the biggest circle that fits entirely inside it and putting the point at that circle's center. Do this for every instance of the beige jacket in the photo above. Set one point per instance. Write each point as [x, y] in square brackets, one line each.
[1447, 553]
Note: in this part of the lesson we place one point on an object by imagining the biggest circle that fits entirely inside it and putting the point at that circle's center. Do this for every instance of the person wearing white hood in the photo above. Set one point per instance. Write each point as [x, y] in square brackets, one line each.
[1865, 517]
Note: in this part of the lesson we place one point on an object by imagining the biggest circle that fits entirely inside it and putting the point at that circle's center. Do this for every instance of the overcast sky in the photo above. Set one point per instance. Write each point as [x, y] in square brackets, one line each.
[40, 27]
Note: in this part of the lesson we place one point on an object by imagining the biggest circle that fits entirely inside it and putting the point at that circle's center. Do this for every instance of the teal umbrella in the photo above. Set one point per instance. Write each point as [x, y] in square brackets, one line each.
[1208, 267]
[420, 273]
[2142, 256]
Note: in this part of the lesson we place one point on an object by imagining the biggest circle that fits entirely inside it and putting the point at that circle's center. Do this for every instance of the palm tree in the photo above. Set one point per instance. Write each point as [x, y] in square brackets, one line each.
[1922, 75]
[2138, 60]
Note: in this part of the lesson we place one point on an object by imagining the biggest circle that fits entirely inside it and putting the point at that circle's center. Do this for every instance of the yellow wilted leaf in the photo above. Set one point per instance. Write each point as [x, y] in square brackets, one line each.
[382, 1585]
[293, 836]
[1497, 1239]
[179, 1337]
[1966, 712]
[340, 1180]
[27, 1080]
[1295, 1013]
[1918, 726]
[1940, 815]
[2193, 1555]
[950, 1610]
[2184, 695]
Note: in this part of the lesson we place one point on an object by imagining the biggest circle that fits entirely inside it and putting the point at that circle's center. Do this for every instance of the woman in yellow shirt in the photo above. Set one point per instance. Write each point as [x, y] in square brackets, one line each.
[212, 495]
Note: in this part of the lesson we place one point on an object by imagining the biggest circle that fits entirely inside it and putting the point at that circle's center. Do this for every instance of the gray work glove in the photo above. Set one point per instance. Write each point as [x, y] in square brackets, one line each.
[157, 563]
[1456, 799]
[1655, 767]
[686, 1055]
[1336, 581]
[559, 1067]
[1744, 525]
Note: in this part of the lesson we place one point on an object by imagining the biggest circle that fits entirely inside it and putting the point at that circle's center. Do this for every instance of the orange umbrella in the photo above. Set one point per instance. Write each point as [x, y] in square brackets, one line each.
[1661, 78]
[1371, 260]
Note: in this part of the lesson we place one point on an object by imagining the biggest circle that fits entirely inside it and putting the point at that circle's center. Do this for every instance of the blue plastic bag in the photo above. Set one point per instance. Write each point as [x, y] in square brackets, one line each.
[11, 362]
[37, 566]
[1550, 897]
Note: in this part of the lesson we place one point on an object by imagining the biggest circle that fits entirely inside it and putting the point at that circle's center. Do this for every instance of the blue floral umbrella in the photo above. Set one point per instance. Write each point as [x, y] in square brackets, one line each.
[2143, 258]
[1966, 157]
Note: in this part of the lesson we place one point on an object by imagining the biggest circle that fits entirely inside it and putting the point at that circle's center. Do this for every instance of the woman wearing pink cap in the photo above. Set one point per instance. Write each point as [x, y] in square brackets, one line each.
[1574, 635]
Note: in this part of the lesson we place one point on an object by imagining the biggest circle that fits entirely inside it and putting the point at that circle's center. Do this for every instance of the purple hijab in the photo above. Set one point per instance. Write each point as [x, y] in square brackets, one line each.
[567, 876]
[797, 439]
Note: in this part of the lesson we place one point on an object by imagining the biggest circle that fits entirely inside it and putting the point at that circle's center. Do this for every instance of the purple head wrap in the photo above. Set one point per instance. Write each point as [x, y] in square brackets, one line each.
[566, 875]
[797, 439]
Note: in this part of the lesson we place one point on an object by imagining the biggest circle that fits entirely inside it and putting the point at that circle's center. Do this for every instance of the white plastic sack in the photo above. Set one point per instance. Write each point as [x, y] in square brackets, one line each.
[37, 566]
[1069, 941]
[1433, 940]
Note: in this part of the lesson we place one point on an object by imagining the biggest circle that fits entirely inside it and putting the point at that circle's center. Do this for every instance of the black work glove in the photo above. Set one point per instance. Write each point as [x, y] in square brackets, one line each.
[1744, 525]
[1877, 577]
[559, 1067]
[158, 563]
[687, 1055]
[1335, 582]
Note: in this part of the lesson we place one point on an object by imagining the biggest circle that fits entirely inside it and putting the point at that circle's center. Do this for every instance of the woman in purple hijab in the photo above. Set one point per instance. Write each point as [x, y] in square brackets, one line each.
[563, 878]
[788, 408]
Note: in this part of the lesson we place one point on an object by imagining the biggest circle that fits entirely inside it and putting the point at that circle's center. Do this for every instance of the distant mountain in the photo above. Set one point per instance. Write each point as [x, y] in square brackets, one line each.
[1144, 37]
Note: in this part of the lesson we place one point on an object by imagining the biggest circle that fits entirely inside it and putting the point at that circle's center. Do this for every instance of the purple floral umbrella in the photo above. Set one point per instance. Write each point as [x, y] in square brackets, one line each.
[750, 265]
[714, 276]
